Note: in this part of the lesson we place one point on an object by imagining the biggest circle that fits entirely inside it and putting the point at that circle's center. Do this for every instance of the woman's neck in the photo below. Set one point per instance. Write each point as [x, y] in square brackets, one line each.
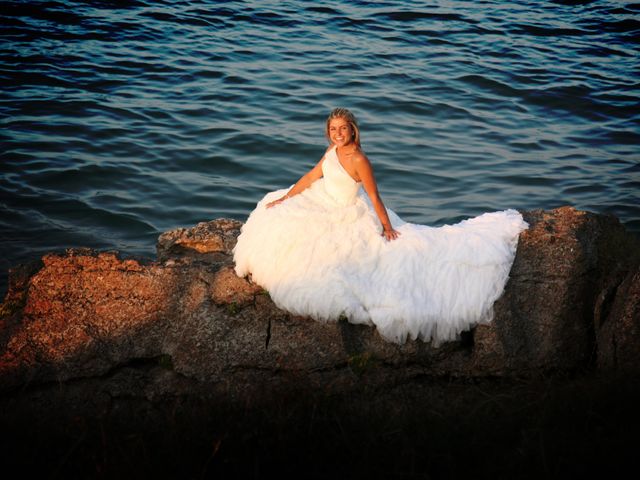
[349, 148]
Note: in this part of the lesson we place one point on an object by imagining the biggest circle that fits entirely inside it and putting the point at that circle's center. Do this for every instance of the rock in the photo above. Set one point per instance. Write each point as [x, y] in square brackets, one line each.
[544, 319]
[89, 314]
[207, 240]
[618, 329]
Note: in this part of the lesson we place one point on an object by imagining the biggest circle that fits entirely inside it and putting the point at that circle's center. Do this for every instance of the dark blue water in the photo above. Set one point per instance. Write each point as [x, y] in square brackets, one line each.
[121, 122]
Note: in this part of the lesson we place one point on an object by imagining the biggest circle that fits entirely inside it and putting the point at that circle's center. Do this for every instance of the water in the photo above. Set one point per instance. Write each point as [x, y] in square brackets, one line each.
[121, 122]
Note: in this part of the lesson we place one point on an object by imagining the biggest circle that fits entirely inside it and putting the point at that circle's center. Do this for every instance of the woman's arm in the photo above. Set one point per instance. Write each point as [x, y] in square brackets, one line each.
[305, 182]
[365, 173]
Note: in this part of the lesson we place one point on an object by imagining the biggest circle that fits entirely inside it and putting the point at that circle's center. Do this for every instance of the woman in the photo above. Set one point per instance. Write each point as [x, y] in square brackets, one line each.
[324, 249]
[343, 134]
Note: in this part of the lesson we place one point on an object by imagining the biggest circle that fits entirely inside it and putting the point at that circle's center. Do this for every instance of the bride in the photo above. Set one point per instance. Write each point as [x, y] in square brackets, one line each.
[328, 247]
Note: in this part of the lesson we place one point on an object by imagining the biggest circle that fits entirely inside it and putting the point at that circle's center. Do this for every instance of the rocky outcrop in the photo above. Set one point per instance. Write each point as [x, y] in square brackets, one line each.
[618, 327]
[571, 304]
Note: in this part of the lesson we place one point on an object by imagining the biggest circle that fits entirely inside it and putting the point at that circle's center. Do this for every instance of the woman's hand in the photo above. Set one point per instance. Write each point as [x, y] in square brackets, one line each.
[390, 233]
[276, 202]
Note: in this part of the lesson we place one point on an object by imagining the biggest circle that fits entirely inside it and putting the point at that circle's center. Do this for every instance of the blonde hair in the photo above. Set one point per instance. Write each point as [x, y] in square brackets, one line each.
[349, 117]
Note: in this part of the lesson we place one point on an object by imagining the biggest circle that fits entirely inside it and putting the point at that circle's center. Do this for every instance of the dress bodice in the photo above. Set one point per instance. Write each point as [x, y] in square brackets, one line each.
[338, 183]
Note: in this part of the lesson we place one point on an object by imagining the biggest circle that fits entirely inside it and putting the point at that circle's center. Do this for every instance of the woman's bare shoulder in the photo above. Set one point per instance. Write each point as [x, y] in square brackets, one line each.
[358, 157]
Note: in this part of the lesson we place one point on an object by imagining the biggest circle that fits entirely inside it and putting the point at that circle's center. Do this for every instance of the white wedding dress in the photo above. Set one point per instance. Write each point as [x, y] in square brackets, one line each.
[321, 254]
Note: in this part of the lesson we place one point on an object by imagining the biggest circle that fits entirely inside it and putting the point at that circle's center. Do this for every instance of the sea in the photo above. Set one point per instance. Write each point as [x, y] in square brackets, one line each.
[122, 120]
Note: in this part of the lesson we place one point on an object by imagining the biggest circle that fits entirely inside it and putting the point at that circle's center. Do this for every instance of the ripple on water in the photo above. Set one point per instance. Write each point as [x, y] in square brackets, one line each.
[121, 121]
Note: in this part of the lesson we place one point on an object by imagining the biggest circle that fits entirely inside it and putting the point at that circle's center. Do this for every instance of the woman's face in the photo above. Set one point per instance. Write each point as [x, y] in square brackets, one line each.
[340, 132]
